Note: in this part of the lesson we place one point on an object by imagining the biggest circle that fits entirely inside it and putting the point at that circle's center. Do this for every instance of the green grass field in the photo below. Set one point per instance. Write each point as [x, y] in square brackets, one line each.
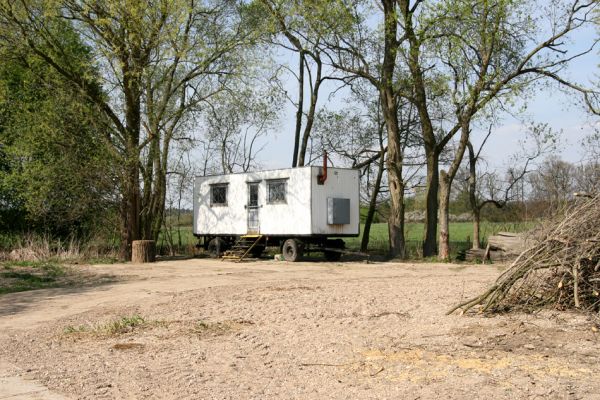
[460, 236]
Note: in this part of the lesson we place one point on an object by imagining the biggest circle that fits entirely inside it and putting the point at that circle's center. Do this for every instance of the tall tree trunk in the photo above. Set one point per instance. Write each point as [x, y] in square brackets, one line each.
[419, 99]
[396, 217]
[310, 117]
[131, 185]
[431, 204]
[125, 228]
[475, 209]
[299, 110]
[160, 195]
[444, 221]
[364, 244]
[150, 177]
[389, 106]
[395, 181]
[476, 228]
[445, 187]
[130, 208]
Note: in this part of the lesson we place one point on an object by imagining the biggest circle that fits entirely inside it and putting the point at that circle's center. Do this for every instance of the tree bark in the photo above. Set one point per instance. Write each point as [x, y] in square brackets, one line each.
[444, 246]
[419, 99]
[299, 111]
[131, 186]
[445, 187]
[143, 251]
[310, 117]
[475, 209]
[389, 107]
[476, 229]
[364, 244]
[431, 204]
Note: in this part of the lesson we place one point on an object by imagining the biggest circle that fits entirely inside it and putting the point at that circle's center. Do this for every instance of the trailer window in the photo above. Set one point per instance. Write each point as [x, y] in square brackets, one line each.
[218, 195]
[276, 191]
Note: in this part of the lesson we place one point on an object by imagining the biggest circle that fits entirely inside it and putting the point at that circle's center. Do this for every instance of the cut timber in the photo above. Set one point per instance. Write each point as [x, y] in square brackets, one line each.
[479, 255]
[509, 243]
[143, 251]
[502, 247]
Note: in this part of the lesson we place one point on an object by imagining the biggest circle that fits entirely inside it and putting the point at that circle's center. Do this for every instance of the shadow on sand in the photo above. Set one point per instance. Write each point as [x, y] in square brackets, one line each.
[79, 282]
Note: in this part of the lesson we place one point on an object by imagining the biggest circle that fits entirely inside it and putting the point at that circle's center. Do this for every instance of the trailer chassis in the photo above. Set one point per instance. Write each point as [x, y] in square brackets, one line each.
[293, 248]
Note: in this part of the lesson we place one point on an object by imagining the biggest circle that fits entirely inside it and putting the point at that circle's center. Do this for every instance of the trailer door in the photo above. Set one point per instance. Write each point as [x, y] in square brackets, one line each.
[252, 208]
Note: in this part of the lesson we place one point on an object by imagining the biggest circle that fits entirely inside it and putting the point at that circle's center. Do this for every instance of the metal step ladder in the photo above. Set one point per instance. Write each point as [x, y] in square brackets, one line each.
[242, 247]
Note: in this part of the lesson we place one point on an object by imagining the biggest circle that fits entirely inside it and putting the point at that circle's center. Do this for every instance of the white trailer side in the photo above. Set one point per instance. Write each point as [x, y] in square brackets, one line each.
[303, 213]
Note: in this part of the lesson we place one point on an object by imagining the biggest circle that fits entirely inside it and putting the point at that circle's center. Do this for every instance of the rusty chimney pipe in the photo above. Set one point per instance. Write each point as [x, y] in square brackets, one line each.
[323, 176]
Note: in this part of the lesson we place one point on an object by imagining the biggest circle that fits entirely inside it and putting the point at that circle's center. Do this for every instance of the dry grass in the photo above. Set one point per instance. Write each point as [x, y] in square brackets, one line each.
[112, 328]
[34, 247]
[132, 323]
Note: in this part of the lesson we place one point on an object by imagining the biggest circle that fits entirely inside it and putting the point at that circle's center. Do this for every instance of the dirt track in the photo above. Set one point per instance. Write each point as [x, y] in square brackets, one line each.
[217, 330]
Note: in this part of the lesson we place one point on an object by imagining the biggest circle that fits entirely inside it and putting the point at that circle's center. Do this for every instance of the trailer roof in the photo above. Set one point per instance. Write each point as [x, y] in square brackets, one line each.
[274, 169]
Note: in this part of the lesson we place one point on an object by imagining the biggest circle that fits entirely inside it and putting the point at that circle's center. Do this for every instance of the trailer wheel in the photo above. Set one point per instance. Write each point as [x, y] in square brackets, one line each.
[216, 247]
[291, 250]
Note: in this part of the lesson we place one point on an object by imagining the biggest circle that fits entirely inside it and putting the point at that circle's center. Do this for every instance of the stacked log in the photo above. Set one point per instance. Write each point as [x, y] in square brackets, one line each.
[510, 243]
[502, 247]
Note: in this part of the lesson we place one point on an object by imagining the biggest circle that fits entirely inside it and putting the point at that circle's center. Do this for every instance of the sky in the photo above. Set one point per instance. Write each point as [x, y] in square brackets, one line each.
[561, 110]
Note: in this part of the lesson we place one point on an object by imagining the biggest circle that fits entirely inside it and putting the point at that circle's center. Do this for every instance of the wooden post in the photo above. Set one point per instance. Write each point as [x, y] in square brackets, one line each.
[143, 251]
[486, 255]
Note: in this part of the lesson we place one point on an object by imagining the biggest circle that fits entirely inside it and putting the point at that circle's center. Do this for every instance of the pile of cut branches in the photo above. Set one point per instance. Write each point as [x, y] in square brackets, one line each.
[561, 270]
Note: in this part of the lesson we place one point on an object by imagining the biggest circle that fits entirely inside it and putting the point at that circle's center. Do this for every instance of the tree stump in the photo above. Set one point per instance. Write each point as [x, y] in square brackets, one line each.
[143, 251]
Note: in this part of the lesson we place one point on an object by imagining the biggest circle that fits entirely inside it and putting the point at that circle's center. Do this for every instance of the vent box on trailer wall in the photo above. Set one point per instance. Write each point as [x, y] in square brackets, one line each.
[338, 211]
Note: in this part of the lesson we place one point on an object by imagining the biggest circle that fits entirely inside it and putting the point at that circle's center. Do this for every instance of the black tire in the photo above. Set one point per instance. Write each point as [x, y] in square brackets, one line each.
[291, 250]
[216, 247]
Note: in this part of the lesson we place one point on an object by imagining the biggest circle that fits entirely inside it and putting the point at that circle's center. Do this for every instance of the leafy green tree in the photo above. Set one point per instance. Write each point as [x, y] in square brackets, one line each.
[371, 54]
[56, 170]
[482, 51]
[159, 61]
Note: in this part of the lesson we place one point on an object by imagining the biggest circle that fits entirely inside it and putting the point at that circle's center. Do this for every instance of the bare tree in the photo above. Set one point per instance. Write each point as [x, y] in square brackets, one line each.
[553, 183]
[587, 177]
[291, 21]
[488, 188]
[370, 55]
[237, 123]
[489, 50]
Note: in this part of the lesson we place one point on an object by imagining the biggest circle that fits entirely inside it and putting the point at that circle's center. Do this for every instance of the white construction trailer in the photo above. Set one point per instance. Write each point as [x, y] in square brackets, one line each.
[298, 209]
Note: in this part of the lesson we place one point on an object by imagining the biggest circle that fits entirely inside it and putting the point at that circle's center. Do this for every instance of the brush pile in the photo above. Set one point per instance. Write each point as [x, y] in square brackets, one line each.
[561, 269]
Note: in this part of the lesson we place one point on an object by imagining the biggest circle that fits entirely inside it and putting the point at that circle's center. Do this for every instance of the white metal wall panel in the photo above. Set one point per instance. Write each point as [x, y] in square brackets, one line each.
[340, 183]
[292, 217]
[224, 220]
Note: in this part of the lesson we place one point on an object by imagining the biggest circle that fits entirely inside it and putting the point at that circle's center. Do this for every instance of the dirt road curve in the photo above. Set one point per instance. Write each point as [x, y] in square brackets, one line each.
[203, 329]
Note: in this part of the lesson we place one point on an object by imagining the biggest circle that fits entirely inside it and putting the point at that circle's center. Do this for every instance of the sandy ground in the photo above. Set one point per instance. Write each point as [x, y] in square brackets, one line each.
[266, 329]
